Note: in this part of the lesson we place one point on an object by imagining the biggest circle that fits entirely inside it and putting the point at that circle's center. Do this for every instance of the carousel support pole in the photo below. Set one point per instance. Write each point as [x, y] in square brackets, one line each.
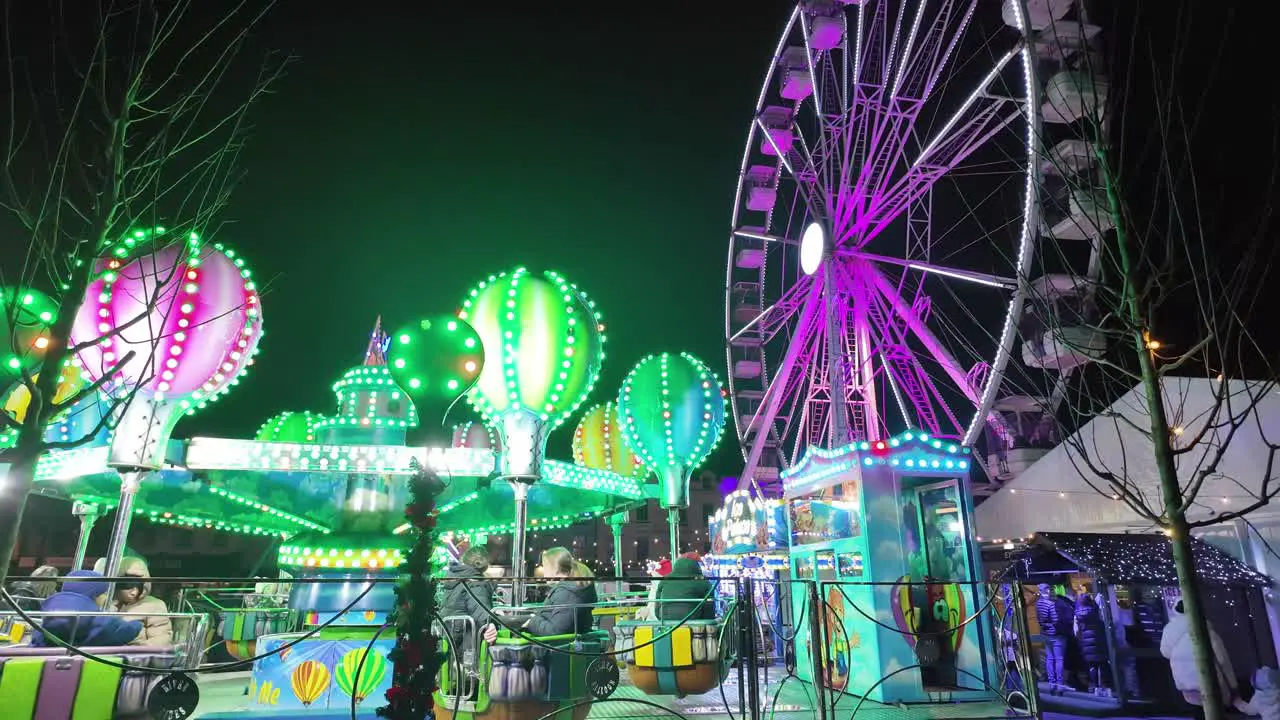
[130, 480]
[673, 524]
[1113, 637]
[521, 491]
[88, 514]
[615, 525]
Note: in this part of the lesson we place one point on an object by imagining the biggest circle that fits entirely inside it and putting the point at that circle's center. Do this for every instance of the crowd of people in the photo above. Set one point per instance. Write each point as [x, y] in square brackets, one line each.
[80, 613]
[1063, 619]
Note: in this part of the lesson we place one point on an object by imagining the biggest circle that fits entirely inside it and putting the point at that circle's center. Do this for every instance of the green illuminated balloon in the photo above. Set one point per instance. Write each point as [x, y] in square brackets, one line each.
[544, 340]
[435, 361]
[290, 427]
[672, 410]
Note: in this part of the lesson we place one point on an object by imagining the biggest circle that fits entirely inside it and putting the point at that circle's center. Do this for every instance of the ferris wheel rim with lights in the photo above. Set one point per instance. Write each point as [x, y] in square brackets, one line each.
[835, 167]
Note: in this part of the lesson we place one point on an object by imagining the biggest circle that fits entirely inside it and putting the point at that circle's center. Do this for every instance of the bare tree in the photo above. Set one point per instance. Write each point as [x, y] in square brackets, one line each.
[122, 115]
[1173, 291]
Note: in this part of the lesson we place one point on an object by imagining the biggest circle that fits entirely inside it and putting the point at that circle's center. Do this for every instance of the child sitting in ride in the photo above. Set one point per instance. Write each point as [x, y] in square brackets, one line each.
[134, 598]
[568, 606]
[684, 593]
[84, 592]
[467, 591]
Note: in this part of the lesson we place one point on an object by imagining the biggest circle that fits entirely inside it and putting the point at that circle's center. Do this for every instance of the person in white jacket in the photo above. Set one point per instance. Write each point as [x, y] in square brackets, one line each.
[1266, 695]
[1175, 644]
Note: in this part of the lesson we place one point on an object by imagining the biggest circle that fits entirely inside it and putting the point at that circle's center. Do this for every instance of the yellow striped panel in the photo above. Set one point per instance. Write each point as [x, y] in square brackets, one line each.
[644, 655]
[682, 647]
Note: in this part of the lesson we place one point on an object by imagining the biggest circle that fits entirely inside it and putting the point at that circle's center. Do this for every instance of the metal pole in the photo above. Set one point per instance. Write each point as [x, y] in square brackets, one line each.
[1113, 656]
[615, 525]
[673, 524]
[88, 514]
[817, 651]
[130, 480]
[750, 647]
[1025, 666]
[521, 492]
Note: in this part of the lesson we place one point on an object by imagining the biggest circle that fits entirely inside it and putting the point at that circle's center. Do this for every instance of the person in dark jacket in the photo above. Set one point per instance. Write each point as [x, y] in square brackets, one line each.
[28, 594]
[466, 590]
[1054, 629]
[685, 583]
[84, 592]
[568, 606]
[1091, 631]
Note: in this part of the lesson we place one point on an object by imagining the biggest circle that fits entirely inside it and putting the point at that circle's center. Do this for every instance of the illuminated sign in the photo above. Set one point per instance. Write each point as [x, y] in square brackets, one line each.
[745, 524]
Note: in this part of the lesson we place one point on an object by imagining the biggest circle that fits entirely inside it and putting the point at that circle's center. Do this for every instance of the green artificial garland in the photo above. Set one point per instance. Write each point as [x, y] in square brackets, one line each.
[416, 657]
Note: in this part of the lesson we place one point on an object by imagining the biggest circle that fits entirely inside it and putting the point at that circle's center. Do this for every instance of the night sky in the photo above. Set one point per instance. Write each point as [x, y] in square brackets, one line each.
[408, 154]
[411, 151]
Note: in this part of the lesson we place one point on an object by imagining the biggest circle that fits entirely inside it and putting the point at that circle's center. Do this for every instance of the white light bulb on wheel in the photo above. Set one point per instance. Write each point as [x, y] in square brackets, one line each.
[813, 244]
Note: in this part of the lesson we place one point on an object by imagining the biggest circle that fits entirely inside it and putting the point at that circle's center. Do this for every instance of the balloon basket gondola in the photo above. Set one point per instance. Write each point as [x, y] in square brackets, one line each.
[515, 679]
[673, 658]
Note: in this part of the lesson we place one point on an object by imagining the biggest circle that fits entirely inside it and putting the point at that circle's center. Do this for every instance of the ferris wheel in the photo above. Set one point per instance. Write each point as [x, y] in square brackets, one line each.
[885, 227]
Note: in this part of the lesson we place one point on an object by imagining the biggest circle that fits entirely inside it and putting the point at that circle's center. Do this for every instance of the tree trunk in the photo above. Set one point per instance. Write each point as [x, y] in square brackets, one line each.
[13, 500]
[1134, 308]
[1197, 622]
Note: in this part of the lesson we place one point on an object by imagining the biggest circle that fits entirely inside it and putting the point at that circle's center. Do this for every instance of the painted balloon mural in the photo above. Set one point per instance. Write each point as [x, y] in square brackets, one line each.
[309, 681]
[357, 680]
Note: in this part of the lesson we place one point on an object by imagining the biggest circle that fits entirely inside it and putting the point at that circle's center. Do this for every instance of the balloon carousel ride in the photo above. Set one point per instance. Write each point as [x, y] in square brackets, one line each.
[284, 483]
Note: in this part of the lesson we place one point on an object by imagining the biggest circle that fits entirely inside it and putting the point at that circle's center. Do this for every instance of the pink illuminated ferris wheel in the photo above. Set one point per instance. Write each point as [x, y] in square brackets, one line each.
[887, 208]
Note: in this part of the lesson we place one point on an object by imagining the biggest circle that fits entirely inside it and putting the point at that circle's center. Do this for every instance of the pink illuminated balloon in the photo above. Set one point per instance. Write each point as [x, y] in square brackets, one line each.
[189, 312]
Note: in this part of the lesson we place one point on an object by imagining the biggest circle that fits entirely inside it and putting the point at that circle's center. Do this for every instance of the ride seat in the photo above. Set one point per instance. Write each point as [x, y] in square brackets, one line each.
[50, 684]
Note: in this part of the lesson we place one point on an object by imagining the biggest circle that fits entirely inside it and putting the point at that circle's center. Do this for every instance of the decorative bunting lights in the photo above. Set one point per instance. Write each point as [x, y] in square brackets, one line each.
[598, 443]
[672, 410]
[188, 312]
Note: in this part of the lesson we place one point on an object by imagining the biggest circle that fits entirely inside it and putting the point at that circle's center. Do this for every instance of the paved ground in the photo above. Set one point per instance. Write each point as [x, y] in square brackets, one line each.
[222, 696]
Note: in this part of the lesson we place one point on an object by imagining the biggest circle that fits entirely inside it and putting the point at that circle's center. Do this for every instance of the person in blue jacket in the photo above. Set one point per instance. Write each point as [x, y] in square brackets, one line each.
[84, 591]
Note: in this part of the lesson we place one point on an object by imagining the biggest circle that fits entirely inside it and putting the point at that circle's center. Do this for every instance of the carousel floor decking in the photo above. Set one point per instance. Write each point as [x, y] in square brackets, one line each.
[222, 698]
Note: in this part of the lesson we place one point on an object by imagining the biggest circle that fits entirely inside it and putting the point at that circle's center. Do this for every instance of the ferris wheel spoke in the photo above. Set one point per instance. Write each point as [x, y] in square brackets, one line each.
[762, 421]
[910, 385]
[945, 155]
[984, 279]
[912, 321]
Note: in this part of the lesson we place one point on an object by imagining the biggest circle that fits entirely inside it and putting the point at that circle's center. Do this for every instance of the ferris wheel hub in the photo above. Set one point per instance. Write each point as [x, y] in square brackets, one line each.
[813, 248]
